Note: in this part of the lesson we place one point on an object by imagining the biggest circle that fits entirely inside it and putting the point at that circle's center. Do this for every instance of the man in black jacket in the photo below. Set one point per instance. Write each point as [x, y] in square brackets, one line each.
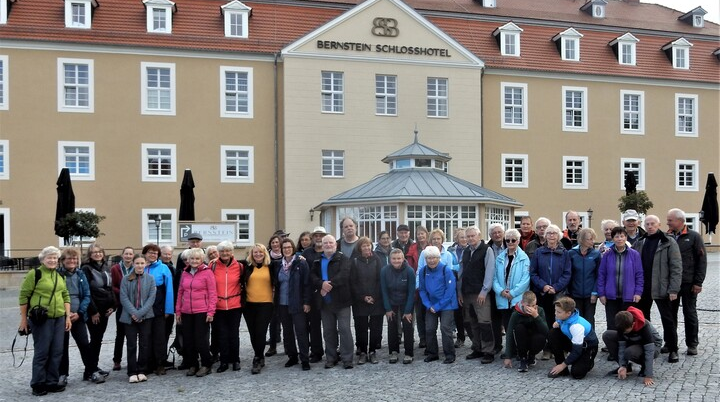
[314, 320]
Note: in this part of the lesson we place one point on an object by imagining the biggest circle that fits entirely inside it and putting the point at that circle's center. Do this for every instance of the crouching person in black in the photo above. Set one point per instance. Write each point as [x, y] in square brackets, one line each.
[635, 340]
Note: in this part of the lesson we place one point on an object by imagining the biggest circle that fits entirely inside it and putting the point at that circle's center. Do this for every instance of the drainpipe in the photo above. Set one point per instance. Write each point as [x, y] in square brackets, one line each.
[276, 130]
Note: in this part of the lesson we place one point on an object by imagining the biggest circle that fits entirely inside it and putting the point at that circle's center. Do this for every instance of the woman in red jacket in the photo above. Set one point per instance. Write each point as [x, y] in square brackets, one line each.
[226, 323]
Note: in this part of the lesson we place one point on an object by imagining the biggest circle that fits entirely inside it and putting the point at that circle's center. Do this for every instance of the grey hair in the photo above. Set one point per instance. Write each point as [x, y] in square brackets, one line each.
[475, 228]
[166, 247]
[542, 219]
[512, 233]
[607, 221]
[677, 213]
[48, 251]
[225, 245]
[495, 225]
[185, 254]
[553, 228]
[432, 251]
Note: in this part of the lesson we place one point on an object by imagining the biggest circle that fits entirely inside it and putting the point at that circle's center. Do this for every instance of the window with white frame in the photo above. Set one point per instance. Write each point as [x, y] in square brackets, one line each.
[386, 95]
[625, 48]
[159, 162]
[333, 163]
[332, 92]
[159, 15]
[78, 14]
[569, 44]
[236, 92]
[4, 95]
[3, 15]
[158, 88]
[236, 164]
[686, 175]
[4, 159]
[686, 115]
[78, 157]
[519, 215]
[514, 170]
[509, 41]
[245, 219]
[679, 53]
[575, 109]
[236, 15]
[632, 112]
[437, 97]
[584, 218]
[692, 221]
[445, 217]
[76, 85]
[75, 240]
[166, 233]
[372, 219]
[575, 172]
[496, 214]
[637, 167]
[513, 97]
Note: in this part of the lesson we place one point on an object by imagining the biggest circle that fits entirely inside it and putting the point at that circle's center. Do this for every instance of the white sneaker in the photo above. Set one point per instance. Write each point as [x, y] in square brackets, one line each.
[133, 379]
[142, 377]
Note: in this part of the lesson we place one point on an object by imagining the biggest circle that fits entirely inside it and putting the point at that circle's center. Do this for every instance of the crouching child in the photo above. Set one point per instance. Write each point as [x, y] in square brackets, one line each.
[574, 334]
[634, 340]
[526, 332]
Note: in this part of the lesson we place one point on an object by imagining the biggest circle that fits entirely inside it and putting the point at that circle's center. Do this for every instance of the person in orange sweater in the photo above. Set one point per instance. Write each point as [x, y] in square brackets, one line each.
[226, 324]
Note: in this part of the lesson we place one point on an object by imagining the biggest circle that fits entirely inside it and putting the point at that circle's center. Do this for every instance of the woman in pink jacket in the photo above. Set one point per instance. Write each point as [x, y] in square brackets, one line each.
[195, 308]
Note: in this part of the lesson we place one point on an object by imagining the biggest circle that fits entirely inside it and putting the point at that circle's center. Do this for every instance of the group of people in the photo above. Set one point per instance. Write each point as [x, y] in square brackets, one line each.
[540, 285]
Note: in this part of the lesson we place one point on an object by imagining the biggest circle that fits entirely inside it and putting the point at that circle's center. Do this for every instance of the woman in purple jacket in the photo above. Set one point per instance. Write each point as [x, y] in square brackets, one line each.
[620, 277]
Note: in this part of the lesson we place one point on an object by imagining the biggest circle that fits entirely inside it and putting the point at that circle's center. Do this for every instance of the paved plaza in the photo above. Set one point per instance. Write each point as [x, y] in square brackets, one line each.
[694, 378]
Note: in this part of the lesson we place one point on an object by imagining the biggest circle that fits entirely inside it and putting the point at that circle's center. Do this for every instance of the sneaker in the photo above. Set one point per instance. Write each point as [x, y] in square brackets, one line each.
[692, 351]
[362, 359]
[55, 388]
[449, 360]
[62, 380]
[407, 359]
[393, 357]
[39, 391]
[116, 366]
[133, 379]
[271, 352]
[373, 358]
[97, 378]
[532, 362]
[673, 357]
[142, 377]
[315, 358]
[523, 368]
[256, 366]
[487, 359]
[330, 364]
[203, 371]
[305, 366]
[347, 365]
[102, 372]
[474, 355]
[664, 350]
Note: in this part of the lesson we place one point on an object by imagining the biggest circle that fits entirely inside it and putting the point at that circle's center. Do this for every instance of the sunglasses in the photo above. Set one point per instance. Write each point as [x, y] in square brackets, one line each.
[511, 240]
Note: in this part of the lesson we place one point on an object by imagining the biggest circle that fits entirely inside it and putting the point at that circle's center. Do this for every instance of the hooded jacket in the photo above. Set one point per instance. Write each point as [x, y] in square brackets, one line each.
[643, 334]
[583, 281]
[164, 301]
[78, 301]
[137, 295]
[197, 293]
[537, 325]
[518, 281]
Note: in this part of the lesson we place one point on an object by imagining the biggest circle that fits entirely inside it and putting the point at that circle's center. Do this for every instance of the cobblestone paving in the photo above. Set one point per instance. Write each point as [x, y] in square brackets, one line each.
[694, 378]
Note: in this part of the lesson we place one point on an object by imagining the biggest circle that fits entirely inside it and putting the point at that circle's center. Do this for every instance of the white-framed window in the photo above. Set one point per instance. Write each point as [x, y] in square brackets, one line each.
[78, 14]
[496, 214]
[445, 217]
[332, 92]
[625, 47]
[637, 167]
[78, 157]
[76, 91]
[75, 240]
[686, 175]
[509, 42]
[159, 162]
[686, 115]
[518, 218]
[679, 53]
[372, 219]
[692, 221]
[514, 170]
[4, 160]
[333, 163]
[245, 219]
[158, 88]
[166, 233]
[159, 15]
[236, 92]
[575, 172]
[236, 15]
[3, 19]
[584, 219]
[632, 112]
[386, 95]
[513, 97]
[575, 109]
[4, 79]
[437, 97]
[569, 44]
[237, 164]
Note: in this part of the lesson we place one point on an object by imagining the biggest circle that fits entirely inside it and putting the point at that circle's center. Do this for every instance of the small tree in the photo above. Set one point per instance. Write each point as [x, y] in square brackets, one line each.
[639, 201]
[80, 224]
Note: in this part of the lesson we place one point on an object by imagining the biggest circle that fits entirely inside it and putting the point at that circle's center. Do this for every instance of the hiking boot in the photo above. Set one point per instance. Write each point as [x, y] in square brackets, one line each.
[407, 359]
[373, 358]
[393, 357]
[362, 359]
[203, 371]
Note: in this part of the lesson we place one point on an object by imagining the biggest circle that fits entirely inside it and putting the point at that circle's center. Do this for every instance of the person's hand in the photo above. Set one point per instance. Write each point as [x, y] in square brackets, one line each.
[178, 318]
[673, 296]
[546, 288]
[408, 317]
[593, 299]
[390, 315]
[24, 327]
[306, 308]
[603, 300]
[167, 315]
[622, 373]
[134, 318]
[648, 381]
[460, 301]
[507, 363]
[556, 324]
[209, 318]
[369, 300]
[636, 299]
[68, 324]
[532, 310]
[326, 287]
[695, 289]
[95, 318]
[432, 310]
[74, 317]
[557, 369]
[481, 299]
[551, 290]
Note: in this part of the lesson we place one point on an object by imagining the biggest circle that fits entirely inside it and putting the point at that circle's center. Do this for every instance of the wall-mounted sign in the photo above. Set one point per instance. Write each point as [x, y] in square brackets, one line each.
[213, 232]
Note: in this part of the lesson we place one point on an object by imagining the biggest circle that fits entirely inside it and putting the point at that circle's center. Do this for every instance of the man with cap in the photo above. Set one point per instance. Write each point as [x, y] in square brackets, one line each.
[631, 222]
[403, 240]
[194, 240]
[314, 318]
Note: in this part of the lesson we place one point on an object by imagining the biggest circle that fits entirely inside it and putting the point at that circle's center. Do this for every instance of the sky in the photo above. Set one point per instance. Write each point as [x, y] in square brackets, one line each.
[711, 6]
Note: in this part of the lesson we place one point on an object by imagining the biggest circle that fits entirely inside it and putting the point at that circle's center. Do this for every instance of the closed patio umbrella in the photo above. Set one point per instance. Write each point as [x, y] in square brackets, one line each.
[710, 205]
[187, 197]
[65, 200]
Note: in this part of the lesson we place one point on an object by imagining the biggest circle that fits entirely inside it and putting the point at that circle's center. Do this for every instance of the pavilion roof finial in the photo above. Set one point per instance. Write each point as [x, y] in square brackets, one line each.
[416, 134]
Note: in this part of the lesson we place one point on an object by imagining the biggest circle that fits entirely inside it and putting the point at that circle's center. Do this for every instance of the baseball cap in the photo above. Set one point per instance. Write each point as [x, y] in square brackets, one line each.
[630, 214]
[403, 227]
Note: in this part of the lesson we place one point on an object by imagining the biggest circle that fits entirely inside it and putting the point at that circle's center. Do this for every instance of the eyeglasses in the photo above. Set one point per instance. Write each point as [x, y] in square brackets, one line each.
[98, 252]
[511, 240]
[551, 234]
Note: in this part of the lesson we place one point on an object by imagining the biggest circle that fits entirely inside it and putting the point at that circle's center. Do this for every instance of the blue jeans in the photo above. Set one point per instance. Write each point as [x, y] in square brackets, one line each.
[446, 326]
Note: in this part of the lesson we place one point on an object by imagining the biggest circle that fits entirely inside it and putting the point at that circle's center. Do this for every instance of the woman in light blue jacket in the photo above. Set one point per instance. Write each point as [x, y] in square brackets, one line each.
[512, 275]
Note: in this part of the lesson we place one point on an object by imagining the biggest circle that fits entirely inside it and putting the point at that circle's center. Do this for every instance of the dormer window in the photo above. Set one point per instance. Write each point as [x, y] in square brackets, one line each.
[78, 13]
[508, 37]
[3, 12]
[236, 15]
[624, 47]
[695, 17]
[159, 15]
[679, 53]
[596, 8]
[489, 3]
[568, 43]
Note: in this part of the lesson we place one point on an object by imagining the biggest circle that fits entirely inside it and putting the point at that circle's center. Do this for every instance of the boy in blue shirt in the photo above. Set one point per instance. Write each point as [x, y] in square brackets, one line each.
[574, 334]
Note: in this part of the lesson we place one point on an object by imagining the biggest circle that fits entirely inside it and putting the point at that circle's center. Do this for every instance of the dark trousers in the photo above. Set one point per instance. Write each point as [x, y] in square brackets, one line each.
[669, 323]
[138, 346]
[461, 326]
[407, 329]
[559, 344]
[374, 324]
[645, 305]
[446, 324]
[612, 307]
[257, 319]
[547, 302]
[313, 320]
[420, 310]
[689, 304]
[295, 329]
[226, 334]
[274, 330]
[497, 318]
[79, 333]
[528, 342]
[633, 352]
[169, 321]
[119, 336]
[96, 336]
[48, 350]
[195, 340]
[586, 309]
[158, 345]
